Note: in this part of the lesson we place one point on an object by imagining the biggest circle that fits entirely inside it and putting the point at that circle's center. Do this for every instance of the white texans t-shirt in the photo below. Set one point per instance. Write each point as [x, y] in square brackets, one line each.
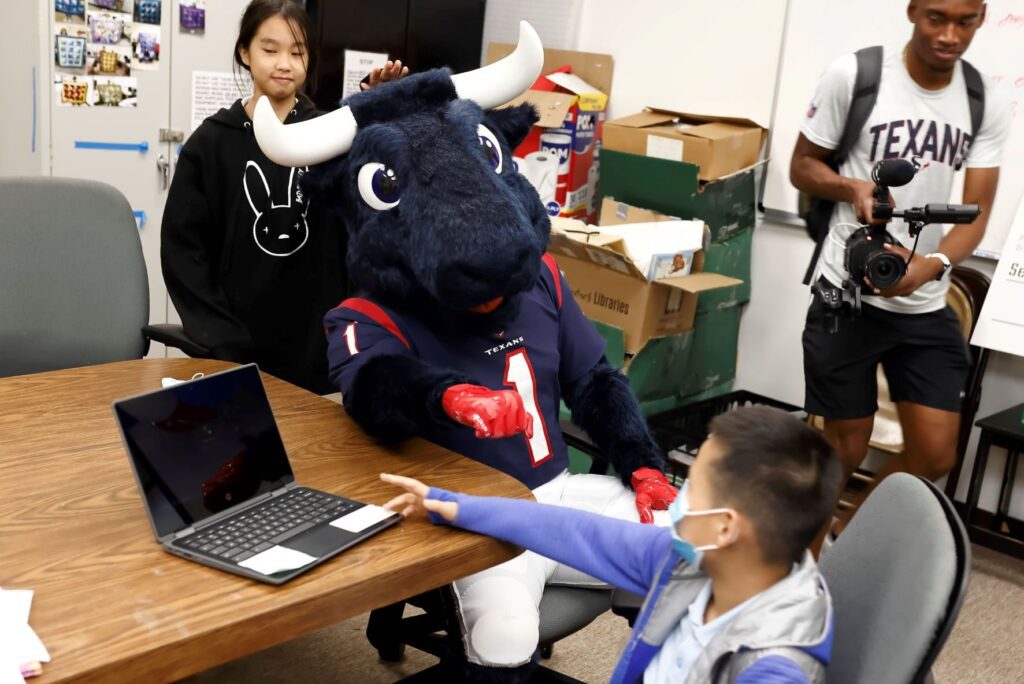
[931, 128]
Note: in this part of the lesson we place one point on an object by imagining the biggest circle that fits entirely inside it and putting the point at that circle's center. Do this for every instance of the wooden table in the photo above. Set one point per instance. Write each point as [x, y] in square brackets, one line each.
[111, 605]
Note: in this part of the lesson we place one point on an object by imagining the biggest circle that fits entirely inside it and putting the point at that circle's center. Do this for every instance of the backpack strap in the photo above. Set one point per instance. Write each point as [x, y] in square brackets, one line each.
[865, 94]
[975, 99]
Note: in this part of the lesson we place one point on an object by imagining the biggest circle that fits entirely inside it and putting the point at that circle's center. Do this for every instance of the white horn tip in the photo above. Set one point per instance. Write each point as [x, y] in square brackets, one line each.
[529, 40]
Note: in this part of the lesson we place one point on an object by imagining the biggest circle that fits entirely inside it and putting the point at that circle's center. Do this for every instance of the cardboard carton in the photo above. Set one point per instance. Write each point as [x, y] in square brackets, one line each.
[611, 288]
[717, 145]
[726, 205]
[571, 124]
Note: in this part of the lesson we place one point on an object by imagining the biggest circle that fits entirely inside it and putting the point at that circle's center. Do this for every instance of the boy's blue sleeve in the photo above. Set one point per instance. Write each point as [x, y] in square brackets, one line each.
[773, 669]
[622, 553]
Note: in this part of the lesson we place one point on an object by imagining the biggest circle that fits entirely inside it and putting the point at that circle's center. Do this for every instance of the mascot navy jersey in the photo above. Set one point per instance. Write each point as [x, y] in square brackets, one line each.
[524, 356]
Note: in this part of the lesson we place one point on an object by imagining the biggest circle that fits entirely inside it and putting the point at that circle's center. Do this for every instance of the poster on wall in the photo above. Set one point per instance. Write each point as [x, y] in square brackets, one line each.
[87, 91]
[357, 66]
[106, 60]
[147, 12]
[146, 47]
[69, 11]
[192, 16]
[216, 90]
[97, 45]
[69, 49]
[1000, 325]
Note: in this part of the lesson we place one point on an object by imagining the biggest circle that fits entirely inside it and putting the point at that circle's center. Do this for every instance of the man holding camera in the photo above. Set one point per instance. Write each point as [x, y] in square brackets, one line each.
[922, 113]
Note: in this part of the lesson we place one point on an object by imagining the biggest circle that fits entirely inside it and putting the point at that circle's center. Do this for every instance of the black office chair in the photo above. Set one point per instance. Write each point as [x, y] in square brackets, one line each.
[563, 611]
[898, 576]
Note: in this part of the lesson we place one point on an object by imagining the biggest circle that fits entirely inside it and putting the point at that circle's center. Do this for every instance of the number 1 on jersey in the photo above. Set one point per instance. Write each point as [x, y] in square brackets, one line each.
[519, 374]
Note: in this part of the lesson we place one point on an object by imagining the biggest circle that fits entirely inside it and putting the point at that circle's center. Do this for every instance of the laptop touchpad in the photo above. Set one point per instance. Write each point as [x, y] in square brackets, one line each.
[320, 541]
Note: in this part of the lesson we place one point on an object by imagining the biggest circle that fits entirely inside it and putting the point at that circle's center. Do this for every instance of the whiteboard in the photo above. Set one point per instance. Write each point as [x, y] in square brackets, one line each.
[818, 32]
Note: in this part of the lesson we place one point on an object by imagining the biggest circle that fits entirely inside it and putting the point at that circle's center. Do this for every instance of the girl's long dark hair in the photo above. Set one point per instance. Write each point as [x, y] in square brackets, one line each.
[295, 14]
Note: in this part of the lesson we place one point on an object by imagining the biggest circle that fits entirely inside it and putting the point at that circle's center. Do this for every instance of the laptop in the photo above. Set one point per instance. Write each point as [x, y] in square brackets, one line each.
[217, 486]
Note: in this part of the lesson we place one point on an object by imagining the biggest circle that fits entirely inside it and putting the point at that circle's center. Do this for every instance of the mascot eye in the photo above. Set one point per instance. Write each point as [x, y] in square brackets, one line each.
[491, 148]
[378, 186]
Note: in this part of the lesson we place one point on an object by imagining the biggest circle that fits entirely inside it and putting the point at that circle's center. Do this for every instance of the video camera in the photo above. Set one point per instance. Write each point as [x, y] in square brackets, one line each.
[865, 255]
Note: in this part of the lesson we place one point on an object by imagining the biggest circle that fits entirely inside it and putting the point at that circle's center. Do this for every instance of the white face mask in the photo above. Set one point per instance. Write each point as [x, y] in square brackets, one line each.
[679, 509]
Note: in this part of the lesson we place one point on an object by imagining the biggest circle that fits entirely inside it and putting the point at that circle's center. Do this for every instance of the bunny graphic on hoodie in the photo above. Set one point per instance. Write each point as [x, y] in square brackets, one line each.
[250, 263]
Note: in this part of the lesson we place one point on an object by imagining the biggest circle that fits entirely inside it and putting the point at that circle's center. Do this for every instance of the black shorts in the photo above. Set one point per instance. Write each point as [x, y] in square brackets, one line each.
[924, 357]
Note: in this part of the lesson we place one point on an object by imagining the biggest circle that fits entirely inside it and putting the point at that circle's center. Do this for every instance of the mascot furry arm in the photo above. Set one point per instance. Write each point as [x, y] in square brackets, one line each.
[463, 332]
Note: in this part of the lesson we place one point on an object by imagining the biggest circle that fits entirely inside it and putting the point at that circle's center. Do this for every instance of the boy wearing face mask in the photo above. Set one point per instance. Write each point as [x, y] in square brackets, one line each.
[732, 593]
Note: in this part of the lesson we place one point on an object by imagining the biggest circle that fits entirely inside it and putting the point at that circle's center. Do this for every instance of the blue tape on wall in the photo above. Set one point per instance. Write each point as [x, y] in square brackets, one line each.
[140, 218]
[34, 112]
[131, 147]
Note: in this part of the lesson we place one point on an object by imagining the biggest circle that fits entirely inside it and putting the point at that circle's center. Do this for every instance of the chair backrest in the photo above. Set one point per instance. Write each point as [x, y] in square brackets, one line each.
[73, 286]
[971, 287]
[898, 575]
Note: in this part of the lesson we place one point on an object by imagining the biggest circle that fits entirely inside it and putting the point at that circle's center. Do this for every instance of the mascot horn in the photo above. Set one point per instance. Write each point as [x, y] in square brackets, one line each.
[465, 332]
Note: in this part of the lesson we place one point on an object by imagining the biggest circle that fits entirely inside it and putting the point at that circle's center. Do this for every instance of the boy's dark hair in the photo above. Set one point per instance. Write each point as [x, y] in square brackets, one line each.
[780, 473]
[258, 11]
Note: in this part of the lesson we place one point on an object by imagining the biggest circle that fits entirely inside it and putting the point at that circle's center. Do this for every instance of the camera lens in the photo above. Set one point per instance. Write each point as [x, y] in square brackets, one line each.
[884, 269]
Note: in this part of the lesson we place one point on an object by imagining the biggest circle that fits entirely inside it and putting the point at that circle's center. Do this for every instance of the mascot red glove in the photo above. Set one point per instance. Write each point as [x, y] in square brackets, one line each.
[491, 413]
[653, 492]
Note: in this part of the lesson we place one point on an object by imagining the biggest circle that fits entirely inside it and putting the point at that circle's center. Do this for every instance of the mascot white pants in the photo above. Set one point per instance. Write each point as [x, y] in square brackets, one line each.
[499, 607]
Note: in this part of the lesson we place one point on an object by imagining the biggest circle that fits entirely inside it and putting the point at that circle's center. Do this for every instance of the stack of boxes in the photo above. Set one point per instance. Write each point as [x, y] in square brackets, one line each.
[692, 167]
[676, 338]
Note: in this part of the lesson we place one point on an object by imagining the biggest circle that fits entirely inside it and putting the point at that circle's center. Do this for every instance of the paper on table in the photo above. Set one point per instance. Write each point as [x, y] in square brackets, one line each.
[645, 241]
[18, 642]
[277, 559]
[359, 519]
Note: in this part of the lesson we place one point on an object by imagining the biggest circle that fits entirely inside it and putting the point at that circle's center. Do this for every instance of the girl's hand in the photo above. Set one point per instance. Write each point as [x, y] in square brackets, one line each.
[392, 71]
[415, 498]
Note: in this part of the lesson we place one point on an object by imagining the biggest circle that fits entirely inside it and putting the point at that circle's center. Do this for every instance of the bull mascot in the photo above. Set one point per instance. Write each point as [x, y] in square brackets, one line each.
[466, 333]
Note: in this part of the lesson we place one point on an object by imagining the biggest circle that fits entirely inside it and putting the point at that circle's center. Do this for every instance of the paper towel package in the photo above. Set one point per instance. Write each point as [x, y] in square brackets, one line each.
[571, 107]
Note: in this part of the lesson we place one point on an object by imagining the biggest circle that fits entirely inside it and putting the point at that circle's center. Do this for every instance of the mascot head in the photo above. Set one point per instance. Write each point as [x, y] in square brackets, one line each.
[421, 170]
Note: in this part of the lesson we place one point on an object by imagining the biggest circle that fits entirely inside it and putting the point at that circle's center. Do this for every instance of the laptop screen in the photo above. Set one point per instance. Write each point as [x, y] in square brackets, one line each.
[203, 446]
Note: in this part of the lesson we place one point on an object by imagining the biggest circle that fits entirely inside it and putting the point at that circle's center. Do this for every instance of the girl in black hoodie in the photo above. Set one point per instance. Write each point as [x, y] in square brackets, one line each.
[250, 264]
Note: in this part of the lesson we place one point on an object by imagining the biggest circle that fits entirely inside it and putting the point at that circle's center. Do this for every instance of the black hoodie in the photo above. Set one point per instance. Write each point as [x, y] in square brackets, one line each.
[250, 264]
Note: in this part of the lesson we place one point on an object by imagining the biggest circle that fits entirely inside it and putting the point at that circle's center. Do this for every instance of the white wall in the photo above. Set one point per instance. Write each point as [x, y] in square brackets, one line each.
[20, 53]
[771, 355]
[688, 55]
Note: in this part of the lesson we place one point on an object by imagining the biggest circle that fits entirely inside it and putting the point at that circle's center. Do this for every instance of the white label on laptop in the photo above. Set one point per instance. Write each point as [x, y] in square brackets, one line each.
[664, 148]
[361, 518]
[277, 559]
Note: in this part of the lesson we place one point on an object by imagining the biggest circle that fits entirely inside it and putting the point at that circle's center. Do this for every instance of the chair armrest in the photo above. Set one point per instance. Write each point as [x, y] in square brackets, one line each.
[627, 604]
[173, 335]
[577, 438]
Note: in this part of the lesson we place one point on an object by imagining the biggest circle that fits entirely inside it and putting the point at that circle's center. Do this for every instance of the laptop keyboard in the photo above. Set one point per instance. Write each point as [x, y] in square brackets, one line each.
[257, 529]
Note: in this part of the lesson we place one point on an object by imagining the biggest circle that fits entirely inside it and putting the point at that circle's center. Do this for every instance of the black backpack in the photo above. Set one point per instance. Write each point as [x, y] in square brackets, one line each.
[817, 212]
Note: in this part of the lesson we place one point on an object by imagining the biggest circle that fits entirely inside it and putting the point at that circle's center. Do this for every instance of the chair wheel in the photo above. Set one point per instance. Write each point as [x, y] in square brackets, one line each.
[392, 653]
[546, 651]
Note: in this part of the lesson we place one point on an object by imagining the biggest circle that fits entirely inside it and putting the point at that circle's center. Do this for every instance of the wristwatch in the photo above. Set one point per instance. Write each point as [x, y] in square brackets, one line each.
[945, 263]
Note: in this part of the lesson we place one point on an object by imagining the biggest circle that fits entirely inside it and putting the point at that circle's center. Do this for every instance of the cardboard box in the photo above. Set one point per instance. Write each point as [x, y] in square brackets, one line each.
[575, 109]
[730, 257]
[726, 205]
[718, 145]
[610, 288]
[614, 212]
